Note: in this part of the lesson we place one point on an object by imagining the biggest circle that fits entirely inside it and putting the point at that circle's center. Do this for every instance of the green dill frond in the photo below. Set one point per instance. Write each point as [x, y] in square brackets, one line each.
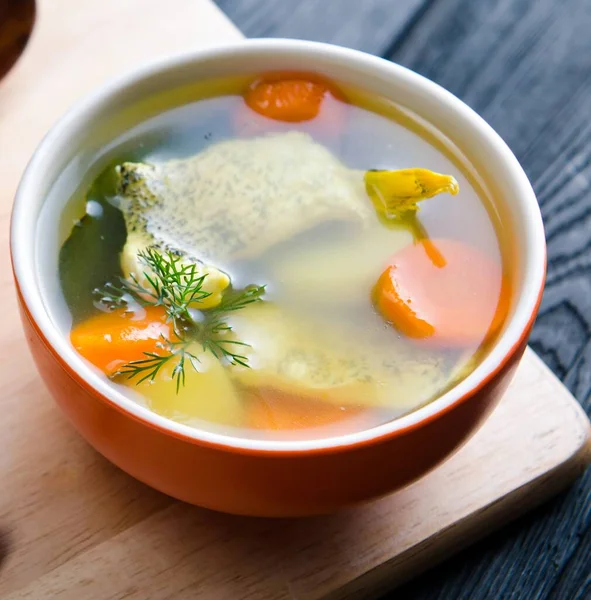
[171, 284]
[221, 349]
[237, 299]
[177, 286]
[147, 369]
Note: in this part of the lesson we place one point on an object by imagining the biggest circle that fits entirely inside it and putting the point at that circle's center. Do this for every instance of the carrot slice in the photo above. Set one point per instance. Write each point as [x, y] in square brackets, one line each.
[276, 411]
[459, 300]
[282, 101]
[110, 340]
[291, 100]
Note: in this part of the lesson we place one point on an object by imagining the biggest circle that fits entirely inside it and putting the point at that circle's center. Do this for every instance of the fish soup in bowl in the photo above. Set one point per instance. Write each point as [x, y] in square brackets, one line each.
[279, 256]
[270, 291]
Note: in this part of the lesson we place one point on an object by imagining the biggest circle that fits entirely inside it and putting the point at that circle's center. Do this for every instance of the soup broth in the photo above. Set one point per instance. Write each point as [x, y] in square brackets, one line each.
[255, 261]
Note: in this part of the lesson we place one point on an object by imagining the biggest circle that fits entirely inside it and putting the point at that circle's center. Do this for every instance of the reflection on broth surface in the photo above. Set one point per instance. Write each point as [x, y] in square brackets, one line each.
[280, 258]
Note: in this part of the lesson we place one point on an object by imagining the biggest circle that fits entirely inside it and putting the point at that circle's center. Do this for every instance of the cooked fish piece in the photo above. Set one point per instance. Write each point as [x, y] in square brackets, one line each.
[311, 360]
[325, 272]
[238, 198]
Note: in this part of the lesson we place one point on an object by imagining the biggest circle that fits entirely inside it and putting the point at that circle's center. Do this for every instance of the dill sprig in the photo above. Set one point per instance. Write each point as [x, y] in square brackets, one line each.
[216, 330]
[174, 284]
[177, 286]
[149, 367]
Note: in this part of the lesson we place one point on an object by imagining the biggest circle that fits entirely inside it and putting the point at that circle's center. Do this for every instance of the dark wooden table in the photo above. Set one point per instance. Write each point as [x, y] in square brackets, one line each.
[525, 66]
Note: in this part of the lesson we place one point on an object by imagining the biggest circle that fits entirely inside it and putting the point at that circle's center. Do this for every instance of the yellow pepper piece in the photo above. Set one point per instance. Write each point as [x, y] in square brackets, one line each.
[396, 192]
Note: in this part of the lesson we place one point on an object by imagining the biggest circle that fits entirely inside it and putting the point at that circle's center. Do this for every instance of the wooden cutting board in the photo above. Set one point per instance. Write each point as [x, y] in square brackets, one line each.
[72, 526]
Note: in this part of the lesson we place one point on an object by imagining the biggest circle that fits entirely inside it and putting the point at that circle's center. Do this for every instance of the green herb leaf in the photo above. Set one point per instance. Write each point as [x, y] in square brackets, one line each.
[177, 286]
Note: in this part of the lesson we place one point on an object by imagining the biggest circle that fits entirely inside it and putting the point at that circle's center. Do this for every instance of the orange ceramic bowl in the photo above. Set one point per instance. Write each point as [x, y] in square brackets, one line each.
[263, 477]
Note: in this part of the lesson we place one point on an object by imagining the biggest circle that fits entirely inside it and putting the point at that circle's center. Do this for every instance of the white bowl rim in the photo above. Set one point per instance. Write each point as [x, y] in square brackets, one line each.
[24, 262]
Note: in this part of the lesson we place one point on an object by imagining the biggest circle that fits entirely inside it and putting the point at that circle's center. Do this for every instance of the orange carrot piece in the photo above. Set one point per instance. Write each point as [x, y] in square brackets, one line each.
[458, 301]
[292, 100]
[110, 340]
[281, 101]
[275, 411]
[291, 97]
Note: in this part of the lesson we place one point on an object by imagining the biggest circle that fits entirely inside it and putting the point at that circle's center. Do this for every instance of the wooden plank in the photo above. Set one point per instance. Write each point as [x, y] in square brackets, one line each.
[80, 528]
[525, 67]
[177, 551]
[369, 25]
[52, 484]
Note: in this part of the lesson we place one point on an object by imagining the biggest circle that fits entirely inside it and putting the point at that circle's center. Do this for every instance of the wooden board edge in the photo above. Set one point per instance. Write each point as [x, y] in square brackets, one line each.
[475, 526]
